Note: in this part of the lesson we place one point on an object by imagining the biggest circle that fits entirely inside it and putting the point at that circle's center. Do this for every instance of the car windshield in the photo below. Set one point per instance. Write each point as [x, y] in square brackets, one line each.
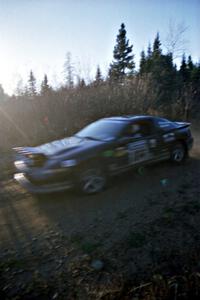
[102, 130]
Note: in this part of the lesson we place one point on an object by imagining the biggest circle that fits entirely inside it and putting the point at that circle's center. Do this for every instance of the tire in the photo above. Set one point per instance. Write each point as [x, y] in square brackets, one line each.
[92, 180]
[178, 153]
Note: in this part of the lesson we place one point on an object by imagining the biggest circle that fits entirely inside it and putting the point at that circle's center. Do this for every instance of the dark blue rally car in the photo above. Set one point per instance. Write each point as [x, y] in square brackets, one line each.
[100, 150]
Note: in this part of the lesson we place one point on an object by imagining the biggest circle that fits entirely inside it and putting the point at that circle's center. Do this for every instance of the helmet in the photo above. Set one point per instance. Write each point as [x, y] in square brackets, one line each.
[135, 128]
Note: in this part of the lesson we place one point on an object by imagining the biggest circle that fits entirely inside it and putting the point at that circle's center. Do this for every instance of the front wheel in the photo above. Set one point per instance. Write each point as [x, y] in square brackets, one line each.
[178, 153]
[92, 180]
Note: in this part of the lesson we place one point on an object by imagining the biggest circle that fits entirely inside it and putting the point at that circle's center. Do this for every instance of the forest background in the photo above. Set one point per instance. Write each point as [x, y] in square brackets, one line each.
[35, 115]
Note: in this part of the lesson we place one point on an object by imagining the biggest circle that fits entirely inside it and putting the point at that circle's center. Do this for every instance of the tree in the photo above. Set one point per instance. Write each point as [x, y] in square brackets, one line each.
[157, 46]
[69, 71]
[149, 51]
[185, 88]
[82, 83]
[175, 42]
[147, 64]
[160, 70]
[3, 96]
[123, 63]
[98, 77]
[190, 63]
[20, 89]
[31, 89]
[184, 72]
[154, 59]
[45, 88]
[195, 78]
[142, 62]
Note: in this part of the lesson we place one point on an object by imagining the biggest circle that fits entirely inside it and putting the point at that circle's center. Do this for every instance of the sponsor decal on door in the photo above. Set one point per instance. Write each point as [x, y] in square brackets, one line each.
[138, 152]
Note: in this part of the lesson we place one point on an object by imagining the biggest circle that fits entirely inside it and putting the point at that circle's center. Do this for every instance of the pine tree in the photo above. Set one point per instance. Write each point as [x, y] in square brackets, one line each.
[190, 63]
[156, 46]
[32, 85]
[142, 62]
[45, 88]
[184, 72]
[98, 77]
[154, 59]
[195, 78]
[149, 51]
[69, 71]
[81, 82]
[123, 63]
[20, 89]
[148, 62]
[161, 71]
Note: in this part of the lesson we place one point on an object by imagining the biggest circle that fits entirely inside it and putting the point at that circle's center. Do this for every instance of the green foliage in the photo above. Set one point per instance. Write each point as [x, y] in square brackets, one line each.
[86, 246]
[69, 71]
[98, 77]
[157, 88]
[157, 46]
[162, 72]
[123, 63]
[31, 89]
[142, 62]
[184, 71]
[45, 88]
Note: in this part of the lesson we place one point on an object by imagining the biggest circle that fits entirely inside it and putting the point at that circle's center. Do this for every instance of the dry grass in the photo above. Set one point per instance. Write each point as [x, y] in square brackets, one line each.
[30, 121]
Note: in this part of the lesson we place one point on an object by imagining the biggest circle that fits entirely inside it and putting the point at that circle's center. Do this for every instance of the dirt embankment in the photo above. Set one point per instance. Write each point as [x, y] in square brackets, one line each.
[63, 246]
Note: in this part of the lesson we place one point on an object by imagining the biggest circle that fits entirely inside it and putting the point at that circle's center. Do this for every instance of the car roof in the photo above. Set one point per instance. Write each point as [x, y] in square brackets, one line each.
[130, 118]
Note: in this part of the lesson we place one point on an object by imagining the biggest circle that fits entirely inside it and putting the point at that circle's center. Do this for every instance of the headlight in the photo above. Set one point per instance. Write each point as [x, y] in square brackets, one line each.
[68, 163]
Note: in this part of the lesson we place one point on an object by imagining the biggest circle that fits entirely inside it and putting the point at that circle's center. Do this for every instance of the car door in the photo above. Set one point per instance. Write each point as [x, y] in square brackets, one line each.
[141, 148]
[156, 140]
[166, 138]
[134, 145]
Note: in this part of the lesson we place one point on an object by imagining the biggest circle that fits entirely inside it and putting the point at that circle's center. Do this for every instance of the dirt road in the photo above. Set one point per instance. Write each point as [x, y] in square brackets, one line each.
[145, 222]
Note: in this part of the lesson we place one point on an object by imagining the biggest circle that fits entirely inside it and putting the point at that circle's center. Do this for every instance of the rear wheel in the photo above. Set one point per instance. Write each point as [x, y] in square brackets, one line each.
[178, 153]
[92, 180]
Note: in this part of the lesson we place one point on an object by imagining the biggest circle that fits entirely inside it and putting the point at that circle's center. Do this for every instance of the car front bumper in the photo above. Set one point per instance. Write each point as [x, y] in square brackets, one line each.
[44, 188]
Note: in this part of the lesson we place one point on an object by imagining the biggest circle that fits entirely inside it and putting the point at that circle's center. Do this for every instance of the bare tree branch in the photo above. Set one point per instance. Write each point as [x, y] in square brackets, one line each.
[175, 42]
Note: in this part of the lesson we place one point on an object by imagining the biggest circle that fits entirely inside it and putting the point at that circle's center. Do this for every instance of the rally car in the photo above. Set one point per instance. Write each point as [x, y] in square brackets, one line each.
[100, 150]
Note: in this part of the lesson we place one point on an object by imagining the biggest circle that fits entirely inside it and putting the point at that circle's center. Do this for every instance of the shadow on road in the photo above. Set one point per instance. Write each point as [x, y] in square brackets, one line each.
[129, 191]
[134, 195]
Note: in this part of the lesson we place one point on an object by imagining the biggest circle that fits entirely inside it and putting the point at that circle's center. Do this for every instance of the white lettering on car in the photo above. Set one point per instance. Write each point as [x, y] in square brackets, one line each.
[138, 152]
[152, 143]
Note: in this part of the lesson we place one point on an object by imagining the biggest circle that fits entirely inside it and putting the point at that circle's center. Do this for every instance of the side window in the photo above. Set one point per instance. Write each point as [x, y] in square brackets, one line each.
[127, 132]
[138, 129]
[132, 130]
[144, 128]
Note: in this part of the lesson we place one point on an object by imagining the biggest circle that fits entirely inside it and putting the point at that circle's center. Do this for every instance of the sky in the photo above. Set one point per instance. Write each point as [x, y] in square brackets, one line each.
[36, 34]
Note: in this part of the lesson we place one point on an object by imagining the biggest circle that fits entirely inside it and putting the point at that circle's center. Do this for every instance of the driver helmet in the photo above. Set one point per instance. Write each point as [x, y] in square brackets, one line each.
[135, 128]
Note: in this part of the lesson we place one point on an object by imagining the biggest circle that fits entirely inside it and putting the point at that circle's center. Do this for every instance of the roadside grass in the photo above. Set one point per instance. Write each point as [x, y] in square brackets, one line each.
[84, 245]
[184, 287]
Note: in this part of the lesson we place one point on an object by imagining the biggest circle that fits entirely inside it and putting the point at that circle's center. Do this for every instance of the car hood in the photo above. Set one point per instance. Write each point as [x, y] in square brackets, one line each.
[70, 145]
